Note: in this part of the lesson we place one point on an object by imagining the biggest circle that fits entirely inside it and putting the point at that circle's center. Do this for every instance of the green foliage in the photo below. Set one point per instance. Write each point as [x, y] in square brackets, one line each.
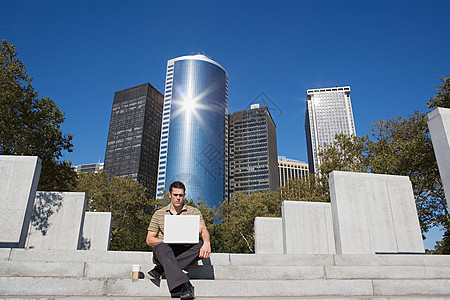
[346, 154]
[311, 189]
[442, 97]
[125, 199]
[443, 247]
[30, 125]
[238, 217]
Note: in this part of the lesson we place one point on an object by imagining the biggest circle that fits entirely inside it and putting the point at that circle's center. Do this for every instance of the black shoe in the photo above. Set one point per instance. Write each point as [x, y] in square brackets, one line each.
[187, 291]
[155, 273]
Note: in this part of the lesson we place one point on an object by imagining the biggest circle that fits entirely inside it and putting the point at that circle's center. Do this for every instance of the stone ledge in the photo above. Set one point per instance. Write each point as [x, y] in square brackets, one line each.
[391, 260]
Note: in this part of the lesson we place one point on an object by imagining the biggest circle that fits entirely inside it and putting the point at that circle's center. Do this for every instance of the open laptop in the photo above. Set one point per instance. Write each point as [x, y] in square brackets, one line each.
[181, 229]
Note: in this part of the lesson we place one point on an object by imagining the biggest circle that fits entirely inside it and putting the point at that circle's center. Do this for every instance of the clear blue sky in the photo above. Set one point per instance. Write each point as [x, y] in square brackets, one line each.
[81, 52]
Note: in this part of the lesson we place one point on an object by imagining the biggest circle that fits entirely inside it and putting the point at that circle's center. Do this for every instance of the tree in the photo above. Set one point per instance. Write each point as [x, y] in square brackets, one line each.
[312, 189]
[125, 199]
[442, 97]
[30, 125]
[238, 217]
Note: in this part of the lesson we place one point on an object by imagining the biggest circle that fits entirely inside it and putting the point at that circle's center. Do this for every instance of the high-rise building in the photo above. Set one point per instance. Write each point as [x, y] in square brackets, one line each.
[194, 129]
[134, 134]
[328, 112]
[253, 151]
[89, 168]
[291, 169]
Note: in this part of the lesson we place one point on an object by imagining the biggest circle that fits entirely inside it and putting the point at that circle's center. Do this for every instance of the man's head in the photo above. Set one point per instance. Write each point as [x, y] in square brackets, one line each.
[177, 185]
[176, 194]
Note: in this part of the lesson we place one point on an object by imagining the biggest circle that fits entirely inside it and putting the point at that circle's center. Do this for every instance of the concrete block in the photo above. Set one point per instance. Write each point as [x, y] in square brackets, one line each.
[114, 270]
[411, 287]
[281, 260]
[439, 125]
[307, 228]
[247, 288]
[96, 231]
[4, 253]
[131, 257]
[268, 272]
[374, 213]
[47, 286]
[268, 236]
[391, 260]
[216, 259]
[57, 221]
[41, 268]
[19, 177]
[387, 272]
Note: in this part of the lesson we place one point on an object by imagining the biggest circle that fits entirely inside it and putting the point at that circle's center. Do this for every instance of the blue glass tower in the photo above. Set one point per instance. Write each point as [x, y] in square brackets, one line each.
[194, 147]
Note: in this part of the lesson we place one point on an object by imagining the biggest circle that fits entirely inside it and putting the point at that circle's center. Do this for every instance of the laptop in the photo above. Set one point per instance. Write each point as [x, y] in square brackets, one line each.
[181, 229]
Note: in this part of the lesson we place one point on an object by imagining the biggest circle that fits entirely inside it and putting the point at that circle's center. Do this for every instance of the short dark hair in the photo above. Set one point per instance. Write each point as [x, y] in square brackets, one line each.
[177, 185]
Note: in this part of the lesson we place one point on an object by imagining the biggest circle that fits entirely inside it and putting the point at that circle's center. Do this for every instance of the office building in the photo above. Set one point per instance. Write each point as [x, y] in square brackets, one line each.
[291, 169]
[253, 151]
[193, 146]
[134, 133]
[89, 168]
[328, 112]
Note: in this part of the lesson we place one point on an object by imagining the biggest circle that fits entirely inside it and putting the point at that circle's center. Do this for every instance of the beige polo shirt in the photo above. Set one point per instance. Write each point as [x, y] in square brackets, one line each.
[157, 222]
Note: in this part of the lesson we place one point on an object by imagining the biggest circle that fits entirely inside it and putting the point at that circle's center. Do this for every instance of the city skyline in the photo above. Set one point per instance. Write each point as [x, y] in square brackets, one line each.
[80, 52]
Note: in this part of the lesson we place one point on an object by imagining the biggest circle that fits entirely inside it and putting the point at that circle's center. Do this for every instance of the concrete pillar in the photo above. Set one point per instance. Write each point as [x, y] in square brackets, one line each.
[439, 125]
[96, 231]
[57, 221]
[374, 213]
[268, 236]
[307, 228]
[19, 177]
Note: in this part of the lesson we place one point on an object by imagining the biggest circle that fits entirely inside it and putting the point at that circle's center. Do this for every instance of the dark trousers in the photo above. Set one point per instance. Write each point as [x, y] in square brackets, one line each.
[174, 258]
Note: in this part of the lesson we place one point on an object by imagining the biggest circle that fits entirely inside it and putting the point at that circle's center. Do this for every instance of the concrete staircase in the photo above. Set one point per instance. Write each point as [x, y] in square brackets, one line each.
[59, 274]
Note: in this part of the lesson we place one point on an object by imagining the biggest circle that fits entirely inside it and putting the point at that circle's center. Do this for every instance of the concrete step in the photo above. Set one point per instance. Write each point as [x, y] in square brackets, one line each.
[223, 272]
[31, 273]
[37, 287]
[133, 257]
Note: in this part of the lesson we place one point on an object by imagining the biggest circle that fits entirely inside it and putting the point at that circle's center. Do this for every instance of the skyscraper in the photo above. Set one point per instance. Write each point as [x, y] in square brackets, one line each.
[328, 112]
[291, 169]
[194, 129]
[134, 133]
[253, 151]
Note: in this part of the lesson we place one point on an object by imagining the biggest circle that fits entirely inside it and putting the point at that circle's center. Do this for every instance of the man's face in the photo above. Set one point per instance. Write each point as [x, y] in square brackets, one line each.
[177, 197]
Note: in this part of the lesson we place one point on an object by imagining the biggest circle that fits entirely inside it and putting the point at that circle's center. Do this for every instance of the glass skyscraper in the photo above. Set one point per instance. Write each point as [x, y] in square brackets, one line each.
[328, 112]
[194, 147]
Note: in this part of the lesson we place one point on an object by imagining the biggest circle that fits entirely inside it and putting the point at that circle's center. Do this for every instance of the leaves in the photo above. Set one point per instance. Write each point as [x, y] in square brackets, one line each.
[238, 217]
[442, 97]
[32, 126]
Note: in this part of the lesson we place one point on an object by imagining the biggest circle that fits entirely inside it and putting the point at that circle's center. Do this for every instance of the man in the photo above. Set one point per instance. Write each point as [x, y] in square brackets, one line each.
[173, 258]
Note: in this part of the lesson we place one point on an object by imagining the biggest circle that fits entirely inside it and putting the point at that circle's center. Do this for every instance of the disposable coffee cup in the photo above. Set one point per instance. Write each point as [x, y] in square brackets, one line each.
[135, 274]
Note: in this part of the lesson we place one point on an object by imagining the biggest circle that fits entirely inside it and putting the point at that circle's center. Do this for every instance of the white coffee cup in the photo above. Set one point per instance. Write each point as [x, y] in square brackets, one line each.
[135, 273]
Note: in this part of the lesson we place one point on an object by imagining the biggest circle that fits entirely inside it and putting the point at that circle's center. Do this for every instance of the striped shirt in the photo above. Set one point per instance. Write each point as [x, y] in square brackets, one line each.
[157, 222]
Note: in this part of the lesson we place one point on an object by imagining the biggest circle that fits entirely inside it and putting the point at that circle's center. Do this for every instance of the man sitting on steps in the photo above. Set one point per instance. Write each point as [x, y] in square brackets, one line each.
[173, 258]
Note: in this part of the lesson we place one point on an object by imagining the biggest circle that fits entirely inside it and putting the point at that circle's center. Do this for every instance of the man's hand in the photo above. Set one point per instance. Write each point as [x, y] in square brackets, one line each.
[205, 250]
